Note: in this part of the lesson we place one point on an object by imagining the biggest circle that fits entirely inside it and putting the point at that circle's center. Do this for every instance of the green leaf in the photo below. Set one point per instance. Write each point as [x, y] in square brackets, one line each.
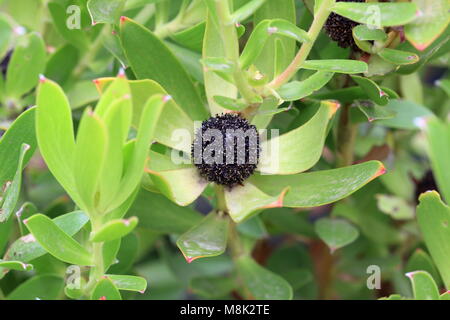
[105, 11]
[15, 265]
[317, 188]
[12, 190]
[296, 90]
[398, 57]
[375, 93]
[374, 112]
[364, 33]
[6, 35]
[27, 62]
[158, 213]
[212, 287]
[297, 157]
[408, 115]
[423, 285]
[171, 180]
[129, 283]
[246, 10]
[336, 233]
[105, 290]
[163, 67]
[445, 296]
[213, 49]
[336, 65]
[260, 283]
[398, 208]
[433, 217]
[230, 104]
[430, 23]
[438, 138]
[265, 112]
[27, 248]
[420, 260]
[40, 287]
[278, 9]
[114, 229]
[57, 242]
[377, 14]
[61, 63]
[191, 38]
[244, 201]
[89, 157]
[21, 131]
[206, 239]
[55, 135]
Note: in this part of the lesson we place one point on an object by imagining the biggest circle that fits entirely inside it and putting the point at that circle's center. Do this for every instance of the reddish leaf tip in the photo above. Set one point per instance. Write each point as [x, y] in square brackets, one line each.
[121, 73]
[42, 78]
[102, 298]
[123, 19]
[166, 98]
[25, 221]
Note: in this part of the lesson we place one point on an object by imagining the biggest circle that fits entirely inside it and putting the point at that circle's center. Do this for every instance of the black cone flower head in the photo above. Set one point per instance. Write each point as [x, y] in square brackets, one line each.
[226, 149]
[339, 29]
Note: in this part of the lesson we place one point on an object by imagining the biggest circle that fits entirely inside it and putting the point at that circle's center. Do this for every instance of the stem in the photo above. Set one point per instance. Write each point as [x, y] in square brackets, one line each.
[319, 20]
[231, 45]
[98, 269]
[346, 137]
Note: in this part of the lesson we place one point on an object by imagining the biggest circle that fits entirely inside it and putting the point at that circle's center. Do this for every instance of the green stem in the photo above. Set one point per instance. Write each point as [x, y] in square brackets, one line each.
[319, 20]
[231, 45]
[346, 136]
[98, 268]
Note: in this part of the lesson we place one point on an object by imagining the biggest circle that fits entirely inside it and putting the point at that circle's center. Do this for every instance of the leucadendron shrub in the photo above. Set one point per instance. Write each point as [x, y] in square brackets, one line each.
[250, 149]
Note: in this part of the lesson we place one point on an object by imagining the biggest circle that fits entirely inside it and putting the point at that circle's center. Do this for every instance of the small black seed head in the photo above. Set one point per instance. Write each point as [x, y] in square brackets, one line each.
[339, 29]
[226, 149]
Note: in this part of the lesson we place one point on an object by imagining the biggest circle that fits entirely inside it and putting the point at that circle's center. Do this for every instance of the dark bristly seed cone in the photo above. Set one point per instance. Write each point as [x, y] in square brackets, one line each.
[225, 173]
[339, 29]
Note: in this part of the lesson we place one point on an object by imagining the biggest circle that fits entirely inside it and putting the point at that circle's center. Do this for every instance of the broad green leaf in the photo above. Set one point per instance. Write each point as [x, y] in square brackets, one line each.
[89, 157]
[15, 265]
[21, 131]
[445, 296]
[162, 67]
[375, 93]
[221, 67]
[212, 287]
[129, 283]
[61, 63]
[175, 119]
[336, 233]
[423, 285]
[105, 11]
[114, 229]
[430, 23]
[296, 90]
[229, 103]
[244, 201]
[377, 14]
[57, 242]
[398, 208]
[74, 36]
[105, 290]
[297, 157]
[253, 228]
[433, 217]
[110, 249]
[412, 87]
[265, 30]
[336, 65]
[317, 188]
[158, 213]
[379, 67]
[438, 138]
[191, 38]
[398, 57]
[82, 93]
[206, 239]
[275, 9]
[6, 35]
[364, 33]
[27, 62]
[246, 10]
[260, 283]
[11, 192]
[127, 254]
[213, 49]
[420, 260]
[172, 180]
[55, 135]
[265, 112]
[40, 287]
[134, 170]
[190, 60]
[374, 112]
[409, 115]
[27, 248]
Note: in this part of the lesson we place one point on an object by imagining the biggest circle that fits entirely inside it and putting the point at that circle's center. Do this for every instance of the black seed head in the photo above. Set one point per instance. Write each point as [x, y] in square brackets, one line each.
[226, 149]
[339, 29]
